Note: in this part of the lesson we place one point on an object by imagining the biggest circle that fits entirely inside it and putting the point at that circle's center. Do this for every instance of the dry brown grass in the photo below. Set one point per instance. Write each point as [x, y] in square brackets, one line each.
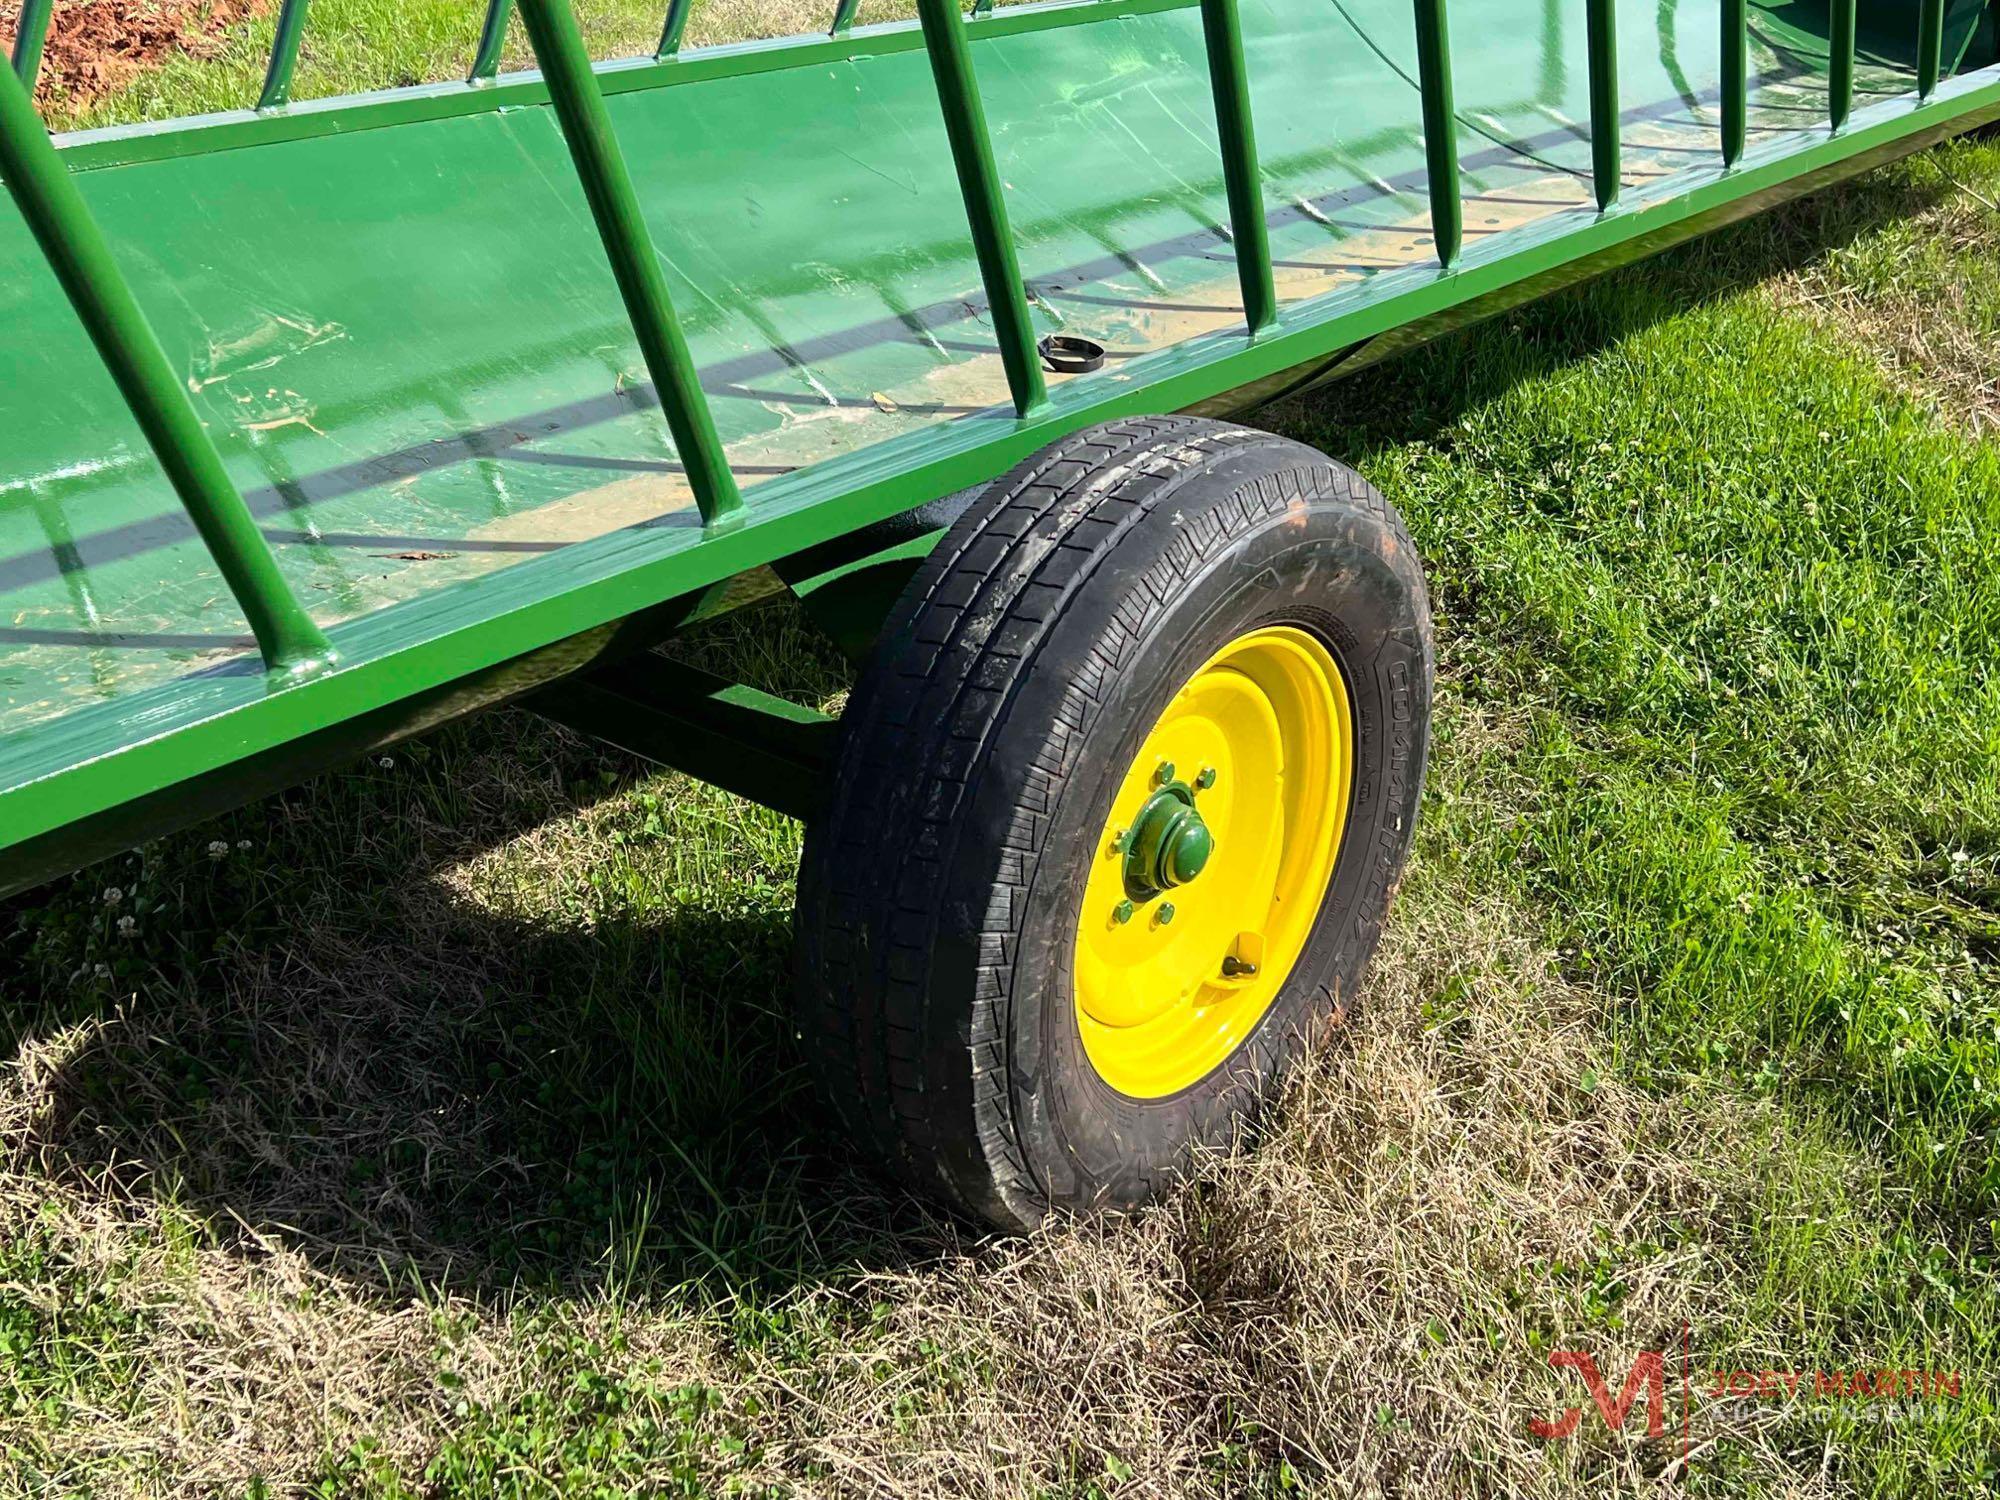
[1368, 1299]
[1360, 1294]
[1918, 295]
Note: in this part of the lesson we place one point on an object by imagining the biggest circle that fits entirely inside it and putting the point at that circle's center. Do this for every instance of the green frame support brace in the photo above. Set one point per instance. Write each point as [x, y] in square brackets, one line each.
[284, 62]
[1930, 46]
[1840, 64]
[737, 737]
[672, 29]
[1440, 130]
[1229, 78]
[31, 35]
[1735, 79]
[985, 208]
[586, 126]
[492, 41]
[1601, 38]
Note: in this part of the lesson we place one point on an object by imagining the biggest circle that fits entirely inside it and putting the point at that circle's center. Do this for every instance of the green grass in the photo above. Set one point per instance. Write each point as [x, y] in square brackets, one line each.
[1742, 602]
[1739, 602]
[438, 1128]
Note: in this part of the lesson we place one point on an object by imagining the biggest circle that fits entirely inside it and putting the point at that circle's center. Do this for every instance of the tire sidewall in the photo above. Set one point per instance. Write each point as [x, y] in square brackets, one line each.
[1210, 561]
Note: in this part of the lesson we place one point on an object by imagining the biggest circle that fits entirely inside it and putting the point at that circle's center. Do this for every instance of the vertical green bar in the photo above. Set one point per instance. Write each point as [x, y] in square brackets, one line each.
[1229, 77]
[558, 45]
[284, 55]
[492, 41]
[676, 26]
[1840, 64]
[1601, 41]
[1440, 129]
[843, 16]
[1735, 79]
[986, 211]
[82, 261]
[1930, 46]
[29, 39]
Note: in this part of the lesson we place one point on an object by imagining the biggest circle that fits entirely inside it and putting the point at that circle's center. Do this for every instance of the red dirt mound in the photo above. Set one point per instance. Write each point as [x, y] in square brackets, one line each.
[96, 45]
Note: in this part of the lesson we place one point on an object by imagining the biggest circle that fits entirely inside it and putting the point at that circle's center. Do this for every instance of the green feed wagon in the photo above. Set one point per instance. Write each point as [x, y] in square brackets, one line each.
[324, 422]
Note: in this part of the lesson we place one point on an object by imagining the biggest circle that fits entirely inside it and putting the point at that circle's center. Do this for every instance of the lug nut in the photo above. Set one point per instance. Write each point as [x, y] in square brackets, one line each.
[1205, 780]
[1165, 914]
[1122, 912]
[1165, 773]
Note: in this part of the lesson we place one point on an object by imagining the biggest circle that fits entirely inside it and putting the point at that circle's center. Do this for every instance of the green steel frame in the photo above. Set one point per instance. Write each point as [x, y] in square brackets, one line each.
[1440, 130]
[1601, 38]
[1735, 79]
[30, 37]
[985, 209]
[288, 639]
[552, 29]
[524, 614]
[1840, 64]
[284, 55]
[672, 30]
[1230, 78]
[492, 38]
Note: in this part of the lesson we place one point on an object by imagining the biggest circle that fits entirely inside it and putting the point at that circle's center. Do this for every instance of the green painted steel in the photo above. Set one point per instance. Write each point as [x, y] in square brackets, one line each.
[347, 116]
[621, 222]
[1602, 43]
[985, 208]
[843, 16]
[284, 61]
[436, 407]
[1230, 79]
[82, 262]
[1168, 844]
[735, 736]
[1840, 63]
[31, 34]
[1930, 45]
[1440, 130]
[672, 30]
[1735, 79]
[1544, 49]
[492, 42]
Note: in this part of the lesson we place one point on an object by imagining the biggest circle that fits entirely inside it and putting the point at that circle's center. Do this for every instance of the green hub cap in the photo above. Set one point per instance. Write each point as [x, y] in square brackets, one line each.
[1169, 844]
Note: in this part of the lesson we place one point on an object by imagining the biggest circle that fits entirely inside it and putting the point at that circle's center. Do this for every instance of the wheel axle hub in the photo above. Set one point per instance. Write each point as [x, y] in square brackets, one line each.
[1169, 844]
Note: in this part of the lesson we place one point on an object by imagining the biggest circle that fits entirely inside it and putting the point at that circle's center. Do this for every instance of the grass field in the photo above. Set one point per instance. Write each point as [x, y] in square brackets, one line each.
[437, 1128]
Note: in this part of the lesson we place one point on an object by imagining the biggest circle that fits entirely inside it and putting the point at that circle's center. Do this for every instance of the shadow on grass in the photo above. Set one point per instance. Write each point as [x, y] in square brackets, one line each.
[506, 1104]
[502, 1008]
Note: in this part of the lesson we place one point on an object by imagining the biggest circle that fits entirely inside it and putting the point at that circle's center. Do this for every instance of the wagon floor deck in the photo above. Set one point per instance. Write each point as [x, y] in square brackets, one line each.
[408, 347]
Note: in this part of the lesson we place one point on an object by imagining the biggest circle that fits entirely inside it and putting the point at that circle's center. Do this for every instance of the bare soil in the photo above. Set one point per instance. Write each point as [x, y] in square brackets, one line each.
[94, 46]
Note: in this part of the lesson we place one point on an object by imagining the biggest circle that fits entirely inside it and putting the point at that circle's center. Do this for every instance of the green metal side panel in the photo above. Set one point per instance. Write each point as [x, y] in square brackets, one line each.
[396, 319]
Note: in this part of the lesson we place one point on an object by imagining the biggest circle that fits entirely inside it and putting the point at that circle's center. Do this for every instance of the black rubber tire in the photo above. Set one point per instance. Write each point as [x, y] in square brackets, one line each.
[1007, 695]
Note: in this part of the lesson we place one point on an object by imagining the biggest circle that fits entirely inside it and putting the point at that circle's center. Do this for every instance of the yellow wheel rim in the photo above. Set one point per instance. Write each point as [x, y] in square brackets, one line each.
[1212, 866]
